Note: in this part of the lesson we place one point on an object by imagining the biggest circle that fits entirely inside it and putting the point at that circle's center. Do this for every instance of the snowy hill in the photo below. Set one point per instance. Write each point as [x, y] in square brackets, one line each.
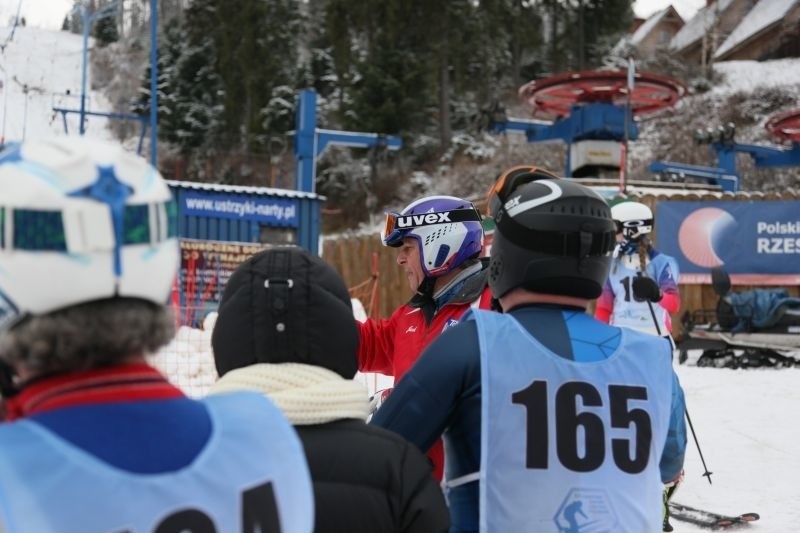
[37, 69]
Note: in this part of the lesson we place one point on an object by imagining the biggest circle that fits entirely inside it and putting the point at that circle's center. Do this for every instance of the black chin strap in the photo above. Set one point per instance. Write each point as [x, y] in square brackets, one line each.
[8, 389]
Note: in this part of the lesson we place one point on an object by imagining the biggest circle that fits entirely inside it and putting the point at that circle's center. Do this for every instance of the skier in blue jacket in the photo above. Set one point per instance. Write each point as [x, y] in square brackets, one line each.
[552, 420]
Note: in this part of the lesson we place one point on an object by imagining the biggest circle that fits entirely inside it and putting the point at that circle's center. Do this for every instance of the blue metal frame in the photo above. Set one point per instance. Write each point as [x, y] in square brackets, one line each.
[598, 121]
[310, 141]
[725, 174]
[87, 20]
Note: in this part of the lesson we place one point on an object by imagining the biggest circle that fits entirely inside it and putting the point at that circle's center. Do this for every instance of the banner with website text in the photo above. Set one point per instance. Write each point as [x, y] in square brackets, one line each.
[273, 211]
[757, 243]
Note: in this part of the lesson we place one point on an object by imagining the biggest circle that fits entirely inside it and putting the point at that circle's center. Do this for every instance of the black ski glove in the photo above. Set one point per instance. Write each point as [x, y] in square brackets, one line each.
[645, 288]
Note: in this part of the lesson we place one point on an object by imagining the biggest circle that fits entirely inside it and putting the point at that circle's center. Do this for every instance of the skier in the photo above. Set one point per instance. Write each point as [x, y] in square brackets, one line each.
[98, 440]
[543, 405]
[636, 257]
[286, 328]
[439, 241]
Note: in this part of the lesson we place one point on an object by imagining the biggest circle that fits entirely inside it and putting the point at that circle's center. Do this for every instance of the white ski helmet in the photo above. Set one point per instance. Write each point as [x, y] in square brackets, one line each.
[633, 219]
[81, 220]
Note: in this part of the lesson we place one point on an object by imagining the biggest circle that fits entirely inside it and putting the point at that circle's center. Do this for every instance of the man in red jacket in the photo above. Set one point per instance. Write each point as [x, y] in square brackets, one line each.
[439, 241]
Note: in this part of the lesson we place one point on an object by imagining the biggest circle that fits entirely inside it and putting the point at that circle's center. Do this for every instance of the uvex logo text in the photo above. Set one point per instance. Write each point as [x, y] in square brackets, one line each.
[423, 220]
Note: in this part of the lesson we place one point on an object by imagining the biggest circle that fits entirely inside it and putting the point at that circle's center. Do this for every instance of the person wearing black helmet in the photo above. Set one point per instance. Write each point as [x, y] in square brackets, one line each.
[552, 420]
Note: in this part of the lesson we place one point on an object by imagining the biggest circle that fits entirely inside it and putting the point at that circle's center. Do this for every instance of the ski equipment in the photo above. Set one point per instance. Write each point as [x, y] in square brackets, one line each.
[552, 237]
[633, 219]
[447, 229]
[84, 220]
[708, 519]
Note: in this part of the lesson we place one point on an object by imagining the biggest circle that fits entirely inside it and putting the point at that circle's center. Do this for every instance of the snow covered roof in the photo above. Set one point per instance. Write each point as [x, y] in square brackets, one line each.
[644, 30]
[648, 26]
[693, 30]
[243, 189]
[763, 15]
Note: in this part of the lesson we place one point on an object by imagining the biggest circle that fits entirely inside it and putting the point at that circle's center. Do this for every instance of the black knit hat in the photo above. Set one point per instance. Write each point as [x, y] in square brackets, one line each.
[285, 305]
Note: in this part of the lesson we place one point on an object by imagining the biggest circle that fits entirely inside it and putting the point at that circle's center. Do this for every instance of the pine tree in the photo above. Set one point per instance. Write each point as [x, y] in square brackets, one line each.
[105, 30]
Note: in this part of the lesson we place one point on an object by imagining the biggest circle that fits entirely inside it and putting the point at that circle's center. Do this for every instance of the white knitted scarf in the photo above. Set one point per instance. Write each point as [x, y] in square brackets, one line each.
[306, 394]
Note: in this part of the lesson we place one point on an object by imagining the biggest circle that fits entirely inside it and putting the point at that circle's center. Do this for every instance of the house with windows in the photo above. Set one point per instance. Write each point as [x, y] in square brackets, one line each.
[701, 36]
[651, 34]
[770, 30]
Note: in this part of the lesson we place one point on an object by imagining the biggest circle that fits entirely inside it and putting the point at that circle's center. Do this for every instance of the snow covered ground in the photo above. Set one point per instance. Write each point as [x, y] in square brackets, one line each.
[749, 75]
[748, 425]
[37, 69]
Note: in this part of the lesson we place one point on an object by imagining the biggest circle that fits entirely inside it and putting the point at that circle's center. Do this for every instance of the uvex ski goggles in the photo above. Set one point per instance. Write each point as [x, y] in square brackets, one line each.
[397, 225]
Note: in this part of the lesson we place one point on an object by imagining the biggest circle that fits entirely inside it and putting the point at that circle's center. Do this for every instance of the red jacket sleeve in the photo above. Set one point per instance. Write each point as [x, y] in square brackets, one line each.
[376, 344]
[671, 301]
[605, 304]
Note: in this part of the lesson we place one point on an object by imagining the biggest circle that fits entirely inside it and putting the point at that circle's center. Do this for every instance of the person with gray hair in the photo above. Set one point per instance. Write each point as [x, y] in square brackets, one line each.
[96, 439]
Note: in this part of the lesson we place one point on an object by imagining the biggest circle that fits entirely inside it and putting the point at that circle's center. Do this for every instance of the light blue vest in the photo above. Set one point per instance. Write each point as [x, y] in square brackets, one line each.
[630, 313]
[570, 447]
[251, 474]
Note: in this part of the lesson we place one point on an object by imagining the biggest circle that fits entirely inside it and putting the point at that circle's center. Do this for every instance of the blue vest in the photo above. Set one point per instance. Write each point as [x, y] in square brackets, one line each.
[251, 476]
[569, 447]
[629, 312]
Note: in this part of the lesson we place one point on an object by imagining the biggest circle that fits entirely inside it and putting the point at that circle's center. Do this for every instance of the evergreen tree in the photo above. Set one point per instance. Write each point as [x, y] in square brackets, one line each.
[105, 30]
[197, 92]
[258, 51]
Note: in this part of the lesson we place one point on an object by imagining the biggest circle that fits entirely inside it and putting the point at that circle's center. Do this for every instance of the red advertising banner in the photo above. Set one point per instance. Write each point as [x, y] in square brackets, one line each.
[205, 269]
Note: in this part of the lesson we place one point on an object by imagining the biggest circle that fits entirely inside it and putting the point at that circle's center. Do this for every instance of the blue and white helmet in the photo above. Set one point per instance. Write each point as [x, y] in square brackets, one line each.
[81, 220]
[448, 230]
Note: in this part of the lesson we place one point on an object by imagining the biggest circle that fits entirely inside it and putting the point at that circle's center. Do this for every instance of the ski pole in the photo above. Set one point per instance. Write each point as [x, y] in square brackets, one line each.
[706, 472]
[699, 451]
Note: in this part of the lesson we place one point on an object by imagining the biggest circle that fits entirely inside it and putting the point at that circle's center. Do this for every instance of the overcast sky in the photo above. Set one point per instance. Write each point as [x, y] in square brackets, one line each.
[39, 13]
[50, 13]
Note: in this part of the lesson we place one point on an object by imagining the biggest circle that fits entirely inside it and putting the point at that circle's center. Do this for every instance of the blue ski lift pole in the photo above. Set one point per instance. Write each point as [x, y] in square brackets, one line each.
[310, 141]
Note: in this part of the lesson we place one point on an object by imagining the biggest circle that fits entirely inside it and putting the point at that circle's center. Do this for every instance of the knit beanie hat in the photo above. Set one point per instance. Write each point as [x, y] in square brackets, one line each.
[286, 305]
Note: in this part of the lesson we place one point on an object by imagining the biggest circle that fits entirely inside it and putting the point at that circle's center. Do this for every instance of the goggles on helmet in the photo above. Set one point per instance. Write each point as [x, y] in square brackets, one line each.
[397, 226]
[632, 228]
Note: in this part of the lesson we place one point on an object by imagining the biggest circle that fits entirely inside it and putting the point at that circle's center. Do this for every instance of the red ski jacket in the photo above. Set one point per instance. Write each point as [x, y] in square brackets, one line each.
[391, 346]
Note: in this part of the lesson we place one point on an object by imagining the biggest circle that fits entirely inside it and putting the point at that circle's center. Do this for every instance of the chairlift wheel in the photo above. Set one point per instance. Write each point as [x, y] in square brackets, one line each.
[556, 95]
[785, 126]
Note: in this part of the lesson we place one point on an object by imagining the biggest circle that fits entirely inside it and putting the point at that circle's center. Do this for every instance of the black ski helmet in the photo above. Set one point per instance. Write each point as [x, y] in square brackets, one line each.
[512, 178]
[552, 236]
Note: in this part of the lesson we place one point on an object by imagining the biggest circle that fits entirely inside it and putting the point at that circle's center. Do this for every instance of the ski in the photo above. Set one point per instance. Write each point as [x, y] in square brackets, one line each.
[708, 519]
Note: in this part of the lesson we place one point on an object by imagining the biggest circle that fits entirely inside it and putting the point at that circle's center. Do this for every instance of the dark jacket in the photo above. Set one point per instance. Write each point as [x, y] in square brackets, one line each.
[285, 305]
[371, 480]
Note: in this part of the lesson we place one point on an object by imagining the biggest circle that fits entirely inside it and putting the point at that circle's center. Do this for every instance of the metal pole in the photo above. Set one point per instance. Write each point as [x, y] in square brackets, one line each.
[624, 167]
[706, 473]
[153, 82]
[86, 24]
